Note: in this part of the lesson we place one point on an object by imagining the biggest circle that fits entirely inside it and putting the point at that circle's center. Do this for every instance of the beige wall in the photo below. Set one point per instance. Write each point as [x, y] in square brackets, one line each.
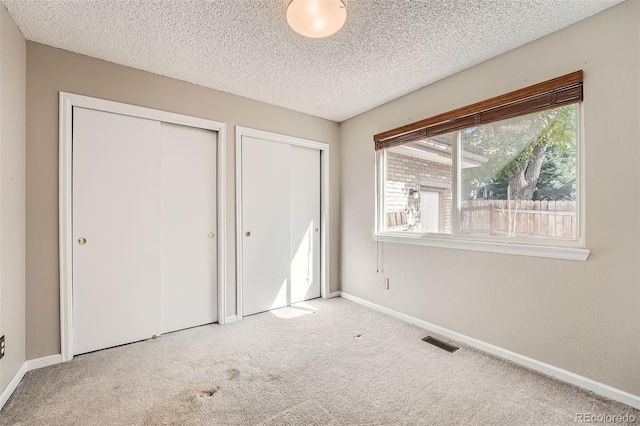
[580, 316]
[51, 70]
[12, 196]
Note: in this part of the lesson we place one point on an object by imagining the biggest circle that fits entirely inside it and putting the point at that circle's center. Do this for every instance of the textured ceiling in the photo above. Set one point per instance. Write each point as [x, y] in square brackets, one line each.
[386, 49]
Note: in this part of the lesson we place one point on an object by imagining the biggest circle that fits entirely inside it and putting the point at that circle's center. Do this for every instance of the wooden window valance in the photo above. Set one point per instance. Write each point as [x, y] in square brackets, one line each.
[539, 97]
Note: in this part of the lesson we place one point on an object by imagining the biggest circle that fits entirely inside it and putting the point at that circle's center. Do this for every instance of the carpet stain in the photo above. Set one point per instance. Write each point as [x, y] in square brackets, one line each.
[182, 408]
[357, 336]
[274, 377]
[208, 393]
[233, 374]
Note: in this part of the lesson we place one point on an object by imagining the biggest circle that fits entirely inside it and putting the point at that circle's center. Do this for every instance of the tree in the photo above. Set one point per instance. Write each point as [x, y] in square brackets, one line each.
[558, 175]
[532, 157]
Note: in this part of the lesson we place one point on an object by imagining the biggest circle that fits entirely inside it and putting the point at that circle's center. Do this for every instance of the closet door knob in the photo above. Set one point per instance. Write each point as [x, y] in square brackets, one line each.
[211, 235]
[82, 241]
[248, 234]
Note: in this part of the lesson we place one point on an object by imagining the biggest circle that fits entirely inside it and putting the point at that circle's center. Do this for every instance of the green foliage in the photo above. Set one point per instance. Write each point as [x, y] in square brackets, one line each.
[558, 176]
[511, 146]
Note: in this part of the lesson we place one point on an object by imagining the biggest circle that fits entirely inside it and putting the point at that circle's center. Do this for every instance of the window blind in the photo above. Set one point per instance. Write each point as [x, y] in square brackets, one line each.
[539, 97]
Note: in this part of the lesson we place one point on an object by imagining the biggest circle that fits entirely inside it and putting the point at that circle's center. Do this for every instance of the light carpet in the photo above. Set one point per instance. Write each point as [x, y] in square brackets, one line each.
[321, 362]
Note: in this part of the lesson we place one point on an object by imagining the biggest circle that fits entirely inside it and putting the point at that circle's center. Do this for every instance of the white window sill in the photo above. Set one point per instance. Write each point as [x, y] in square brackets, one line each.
[551, 252]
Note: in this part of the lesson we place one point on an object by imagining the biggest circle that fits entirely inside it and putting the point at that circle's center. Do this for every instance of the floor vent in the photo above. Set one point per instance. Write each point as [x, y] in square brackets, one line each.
[439, 343]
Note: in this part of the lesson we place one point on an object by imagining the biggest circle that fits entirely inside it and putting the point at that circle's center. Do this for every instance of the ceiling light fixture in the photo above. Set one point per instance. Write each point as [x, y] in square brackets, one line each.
[316, 18]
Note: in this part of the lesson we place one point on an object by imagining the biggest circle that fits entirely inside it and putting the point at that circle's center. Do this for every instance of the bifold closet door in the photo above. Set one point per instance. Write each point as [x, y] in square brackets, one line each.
[116, 219]
[189, 249]
[280, 224]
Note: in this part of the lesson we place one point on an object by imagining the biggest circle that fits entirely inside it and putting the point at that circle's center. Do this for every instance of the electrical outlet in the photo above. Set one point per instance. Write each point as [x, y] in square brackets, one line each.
[385, 281]
[1, 347]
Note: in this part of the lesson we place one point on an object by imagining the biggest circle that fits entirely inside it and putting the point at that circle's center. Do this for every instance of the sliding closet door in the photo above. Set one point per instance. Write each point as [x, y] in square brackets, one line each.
[265, 225]
[116, 218]
[189, 272]
[305, 223]
[280, 224]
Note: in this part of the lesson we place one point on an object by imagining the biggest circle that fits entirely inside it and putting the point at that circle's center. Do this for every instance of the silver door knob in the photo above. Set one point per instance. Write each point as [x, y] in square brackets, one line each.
[211, 235]
[82, 241]
[248, 234]
[316, 229]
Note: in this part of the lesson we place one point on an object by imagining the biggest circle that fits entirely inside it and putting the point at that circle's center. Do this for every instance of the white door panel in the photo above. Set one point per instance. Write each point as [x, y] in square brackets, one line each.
[116, 207]
[281, 211]
[305, 224]
[189, 273]
[266, 217]
[144, 198]
[430, 211]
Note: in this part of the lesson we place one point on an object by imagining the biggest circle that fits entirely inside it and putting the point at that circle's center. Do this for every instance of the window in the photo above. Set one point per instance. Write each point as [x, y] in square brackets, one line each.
[504, 170]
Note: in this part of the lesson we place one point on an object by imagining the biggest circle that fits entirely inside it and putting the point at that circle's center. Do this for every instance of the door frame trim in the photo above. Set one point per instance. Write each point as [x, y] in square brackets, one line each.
[65, 161]
[324, 205]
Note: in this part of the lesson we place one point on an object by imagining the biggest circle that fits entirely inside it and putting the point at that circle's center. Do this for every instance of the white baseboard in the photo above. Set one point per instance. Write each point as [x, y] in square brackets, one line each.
[334, 294]
[34, 364]
[231, 319]
[29, 365]
[547, 369]
[13, 384]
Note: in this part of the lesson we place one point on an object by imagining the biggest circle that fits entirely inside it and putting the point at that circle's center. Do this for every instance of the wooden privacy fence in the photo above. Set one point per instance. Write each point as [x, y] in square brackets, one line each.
[545, 219]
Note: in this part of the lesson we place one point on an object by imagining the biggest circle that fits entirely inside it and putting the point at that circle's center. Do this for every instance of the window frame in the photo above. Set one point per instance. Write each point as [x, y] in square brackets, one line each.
[543, 247]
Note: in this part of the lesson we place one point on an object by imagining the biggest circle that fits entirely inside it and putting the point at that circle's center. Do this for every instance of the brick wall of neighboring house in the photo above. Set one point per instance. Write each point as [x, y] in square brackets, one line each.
[405, 173]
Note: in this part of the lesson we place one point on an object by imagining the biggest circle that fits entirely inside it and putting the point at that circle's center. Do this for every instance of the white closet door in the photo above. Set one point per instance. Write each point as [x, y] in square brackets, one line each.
[280, 224]
[116, 210]
[265, 225]
[189, 272]
[305, 223]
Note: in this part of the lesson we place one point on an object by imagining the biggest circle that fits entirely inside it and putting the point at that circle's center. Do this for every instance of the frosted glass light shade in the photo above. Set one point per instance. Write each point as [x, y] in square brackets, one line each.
[316, 18]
